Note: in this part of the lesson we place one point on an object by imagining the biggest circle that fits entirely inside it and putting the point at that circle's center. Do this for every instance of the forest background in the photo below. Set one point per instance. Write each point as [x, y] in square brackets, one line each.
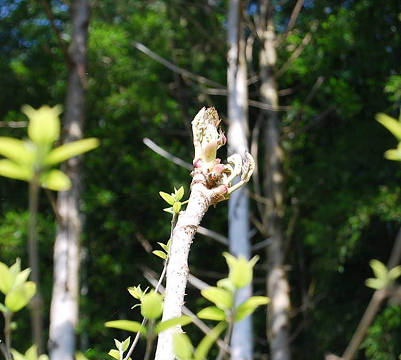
[338, 65]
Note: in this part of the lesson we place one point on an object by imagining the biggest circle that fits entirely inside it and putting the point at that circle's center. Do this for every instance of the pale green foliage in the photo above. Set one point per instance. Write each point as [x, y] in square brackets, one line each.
[383, 276]
[394, 126]
[127, 325]
[26, 159]
[14, 285]
[241, 270]
[151, 305]
[121, 347]
[173, 199]
[30, 354]
[184, 349]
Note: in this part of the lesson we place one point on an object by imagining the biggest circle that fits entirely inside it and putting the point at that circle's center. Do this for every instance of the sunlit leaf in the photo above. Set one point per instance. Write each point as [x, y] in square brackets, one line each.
[211, 313]
[55, 180]
[164, 325]
[241, 270]
[126, 343]
[164, 246]
[379, 268]
[22, 277]
[169, 210]
[167, 198]
[16, 355]
[20, 296]
[160, 254]
[249, 306]
[127, 325]
[13, 170]
[393, 154]
[395, 272]
[16, 150]
[390, 123]
[377, 284]
[177, 207]
[222, 298]
[182, 346]
[69, 150]
[179, 193]
[114, 353]
[44, 123]
[136, 291]
[6, 279]
[31, 353]
[151, 305]
[207, 342]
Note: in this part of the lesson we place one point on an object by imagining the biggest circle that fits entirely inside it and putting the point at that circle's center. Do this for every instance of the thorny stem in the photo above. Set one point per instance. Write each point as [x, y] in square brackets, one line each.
[162, 275]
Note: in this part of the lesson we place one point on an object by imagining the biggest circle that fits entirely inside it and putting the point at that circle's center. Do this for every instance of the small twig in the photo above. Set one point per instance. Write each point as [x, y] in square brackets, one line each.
[175, 68]
[213, 235]
[293, 18]
[14, 124]
[158, 150]
[197, 283]
[262, 244]
[53, 205]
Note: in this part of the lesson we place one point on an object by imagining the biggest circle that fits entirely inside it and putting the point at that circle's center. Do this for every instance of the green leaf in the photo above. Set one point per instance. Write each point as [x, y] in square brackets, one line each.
[168, 210]
[395, 272]
[126, 343]
[44, 124]
[164, 325]
[151, 305]
[55, 180]
[31, 353]
[182, 346]
[6, 279]
[160, 254]
[16, 150]
[3, 309]
[114, 353]
[136, 291]
[17, 355]
[377, 284]
[207, 342]
[179, 193]
[118, 344]
[13, 170]
[177, 207]
[393, 154]
[390, 123]
[167, 198]
[69, 150]
[20, 296]
[222, 298]
[127, 325]
[249, 306]
[211, 313]
[165, 247]
[22, 277]
[380, 270]
[241, 270]
[226, 284]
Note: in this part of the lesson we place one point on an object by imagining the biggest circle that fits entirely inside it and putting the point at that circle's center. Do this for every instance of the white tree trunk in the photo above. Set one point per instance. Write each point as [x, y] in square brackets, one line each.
[277, 283]
[64, 305]
[238, 217]
[177, 270]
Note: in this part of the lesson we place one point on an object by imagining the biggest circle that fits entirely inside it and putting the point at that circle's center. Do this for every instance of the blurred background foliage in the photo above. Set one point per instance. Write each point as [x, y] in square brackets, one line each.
[342, 197]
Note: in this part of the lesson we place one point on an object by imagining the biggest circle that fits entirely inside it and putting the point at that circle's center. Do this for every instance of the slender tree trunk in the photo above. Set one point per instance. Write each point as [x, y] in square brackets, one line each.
[36, 303]
[64, 305]
[277, 283]
[238, 205]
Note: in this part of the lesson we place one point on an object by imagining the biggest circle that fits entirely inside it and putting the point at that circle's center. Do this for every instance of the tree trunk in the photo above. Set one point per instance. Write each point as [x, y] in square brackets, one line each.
[64, 305]
[238, 205]
[277, 283]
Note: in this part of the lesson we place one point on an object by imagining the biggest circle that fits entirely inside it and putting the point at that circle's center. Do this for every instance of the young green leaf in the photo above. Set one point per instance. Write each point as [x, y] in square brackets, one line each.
[164, 246]
[179, 193]
[249, 306]
[114, 354]
[20, 296]
[16, 150]
[55, 180]
[118, 344]
[211, 313]
[70, 150]
[127, 325]
[21, 277]
[207, 342]
[164, 325]
[222, 298]
[377, 284]
[6, 279]
[44, 124]
[151, 305]
[390, 123]
[182, 346]
[167, 210]
[13, 170]
[395, 272]
[167, 198]
[136, 291]
[177, 207]
[241, 270]
[380, 270]
[3, 309]
[393, 154]
[126, 343]
[160, 254]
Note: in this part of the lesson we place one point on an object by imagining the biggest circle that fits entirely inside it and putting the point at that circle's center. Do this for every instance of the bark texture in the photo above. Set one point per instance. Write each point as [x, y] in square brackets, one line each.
[177, 269]
[277, 283]
[238, 205]
[64, 305]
